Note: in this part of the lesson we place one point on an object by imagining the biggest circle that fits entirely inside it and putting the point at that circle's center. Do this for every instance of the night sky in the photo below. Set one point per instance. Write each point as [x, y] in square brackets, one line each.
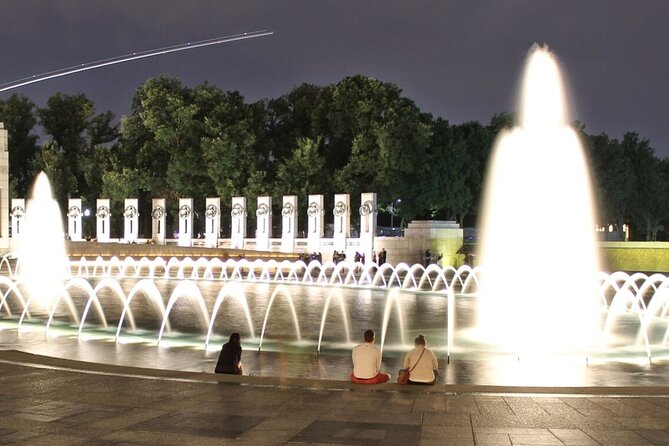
[456, 59]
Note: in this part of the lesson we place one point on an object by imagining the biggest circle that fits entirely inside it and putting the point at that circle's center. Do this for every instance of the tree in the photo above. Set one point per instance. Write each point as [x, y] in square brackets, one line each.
[159, 125]
[304, 173]
[227, 146]
[649, 199]
[473, 143]
[448, 158]
[403, 138]
[76, 131]
[615, 180]
[18, 115]
[52, 161]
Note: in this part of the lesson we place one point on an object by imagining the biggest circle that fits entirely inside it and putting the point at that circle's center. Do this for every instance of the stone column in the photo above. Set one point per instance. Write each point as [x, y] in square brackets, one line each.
[368, 214]
[74, 219]
[131, 220]
[18, 212]
[342, 221]
[238, 214]
[158, 219]
[315, 223]
[212, 228]
[185, 221]
[263, 223]
[102, 220]
[4, 187]
[288, 223]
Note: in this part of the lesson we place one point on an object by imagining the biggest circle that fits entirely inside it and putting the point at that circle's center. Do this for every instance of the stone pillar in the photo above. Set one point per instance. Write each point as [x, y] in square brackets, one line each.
[4, 187]
[342, 221]
[212, 228]
[368, 214]
[238, 230]
[74, 219]
[102, 220]
[263, 223]
[131, 220]
[315, 223]
[185, 221]
[288, 223]
[158, 219]
[18, 212]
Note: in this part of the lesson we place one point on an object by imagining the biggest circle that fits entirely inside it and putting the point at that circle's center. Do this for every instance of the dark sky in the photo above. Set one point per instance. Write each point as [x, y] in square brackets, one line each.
[457, 59]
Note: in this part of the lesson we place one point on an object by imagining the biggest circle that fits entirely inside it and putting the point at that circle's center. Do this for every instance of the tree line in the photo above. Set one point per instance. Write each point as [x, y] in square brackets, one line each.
[357, 135]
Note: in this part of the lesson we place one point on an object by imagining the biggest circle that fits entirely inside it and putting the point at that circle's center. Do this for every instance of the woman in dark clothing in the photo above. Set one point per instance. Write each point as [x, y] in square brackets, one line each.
[230, 359]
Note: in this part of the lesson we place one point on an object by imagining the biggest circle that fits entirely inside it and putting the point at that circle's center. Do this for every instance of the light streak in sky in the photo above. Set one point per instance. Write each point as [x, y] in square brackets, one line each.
[127, 58]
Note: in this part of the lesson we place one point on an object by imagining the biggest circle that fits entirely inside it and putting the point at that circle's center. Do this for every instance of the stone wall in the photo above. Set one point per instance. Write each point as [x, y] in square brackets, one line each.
[4, 188]
[635, 256]
[440, 237]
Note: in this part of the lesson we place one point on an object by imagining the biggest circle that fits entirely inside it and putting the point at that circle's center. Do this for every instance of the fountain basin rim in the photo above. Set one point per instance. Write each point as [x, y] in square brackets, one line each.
[16, 357]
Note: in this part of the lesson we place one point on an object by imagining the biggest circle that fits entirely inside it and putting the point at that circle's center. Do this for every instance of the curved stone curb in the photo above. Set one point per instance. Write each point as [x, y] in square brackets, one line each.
[33, 360]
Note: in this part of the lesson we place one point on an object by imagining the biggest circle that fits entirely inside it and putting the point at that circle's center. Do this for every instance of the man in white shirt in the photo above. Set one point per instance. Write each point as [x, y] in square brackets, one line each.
[367, 362]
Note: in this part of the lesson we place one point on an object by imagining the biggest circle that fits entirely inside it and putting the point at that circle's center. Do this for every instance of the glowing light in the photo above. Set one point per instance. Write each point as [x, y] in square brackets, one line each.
[539, 288]
[42, 257]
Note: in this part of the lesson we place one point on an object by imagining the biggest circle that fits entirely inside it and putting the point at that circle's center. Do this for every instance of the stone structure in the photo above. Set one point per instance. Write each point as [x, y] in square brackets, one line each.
[158, 219]
[238, 229]
[4, 187]
[263, 223]
[342, 221]
[185, 221]
[18, 212]
[103, 220]
[131, 220]
[288, 223]
[315, 223]
[440, 237]
[212, 227]
[74, 218]
[368, 213]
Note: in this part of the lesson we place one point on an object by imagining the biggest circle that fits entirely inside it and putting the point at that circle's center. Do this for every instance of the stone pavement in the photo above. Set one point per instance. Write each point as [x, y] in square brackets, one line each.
[47, 401]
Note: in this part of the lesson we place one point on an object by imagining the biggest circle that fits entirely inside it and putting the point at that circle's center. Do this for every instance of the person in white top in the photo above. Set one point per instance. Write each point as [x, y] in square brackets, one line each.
[422, 362]
[367, 362]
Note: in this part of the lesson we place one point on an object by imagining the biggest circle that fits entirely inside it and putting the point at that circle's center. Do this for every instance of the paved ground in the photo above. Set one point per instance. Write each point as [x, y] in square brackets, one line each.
[45, 401]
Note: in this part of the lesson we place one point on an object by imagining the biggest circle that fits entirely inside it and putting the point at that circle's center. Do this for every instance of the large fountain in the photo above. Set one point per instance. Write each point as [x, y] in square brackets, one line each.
[44, 262]
[534, 295]
[538, 254]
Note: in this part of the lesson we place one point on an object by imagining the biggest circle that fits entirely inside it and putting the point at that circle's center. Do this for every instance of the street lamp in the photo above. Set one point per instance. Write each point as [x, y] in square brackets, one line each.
[393, 210]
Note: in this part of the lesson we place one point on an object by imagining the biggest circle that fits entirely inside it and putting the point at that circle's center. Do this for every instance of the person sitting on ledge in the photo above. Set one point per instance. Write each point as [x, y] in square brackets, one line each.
[367, 362]
[422, 363]
[230, 359]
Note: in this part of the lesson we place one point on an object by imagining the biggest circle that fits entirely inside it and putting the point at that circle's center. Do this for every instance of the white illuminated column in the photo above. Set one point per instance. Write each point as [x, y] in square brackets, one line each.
[158, 219]
[185, 221]
[315, 223]
[342, 221]
[18, 212]
[238, 214]
[212, 228]
[263, 223]
[4, 187]
[102, 220]
[131, 220]
[288, 223]
[368, 213]
[74, 219]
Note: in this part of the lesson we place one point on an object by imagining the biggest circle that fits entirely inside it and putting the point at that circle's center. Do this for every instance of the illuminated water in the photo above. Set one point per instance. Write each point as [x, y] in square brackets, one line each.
[43, 261]
[540, 311]
[539, 259]
[328, 307]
